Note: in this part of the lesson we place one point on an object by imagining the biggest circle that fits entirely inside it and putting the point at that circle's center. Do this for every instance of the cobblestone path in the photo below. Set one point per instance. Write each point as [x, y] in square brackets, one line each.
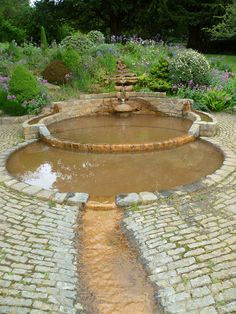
[188, 243]
[37, 255]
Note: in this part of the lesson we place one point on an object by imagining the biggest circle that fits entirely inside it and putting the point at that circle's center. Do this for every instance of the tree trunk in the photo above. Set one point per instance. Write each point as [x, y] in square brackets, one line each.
[196, 38]
[115, 24]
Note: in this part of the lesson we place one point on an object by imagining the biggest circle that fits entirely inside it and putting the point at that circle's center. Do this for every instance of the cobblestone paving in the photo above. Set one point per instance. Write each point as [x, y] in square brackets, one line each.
[37, 255]
[188, 243]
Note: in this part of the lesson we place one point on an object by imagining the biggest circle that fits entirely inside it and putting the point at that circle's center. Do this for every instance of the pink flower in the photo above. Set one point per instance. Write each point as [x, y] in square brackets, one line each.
[11, 97]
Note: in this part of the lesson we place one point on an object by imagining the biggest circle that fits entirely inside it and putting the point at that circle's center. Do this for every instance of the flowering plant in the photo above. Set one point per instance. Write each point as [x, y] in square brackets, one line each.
[189, 65]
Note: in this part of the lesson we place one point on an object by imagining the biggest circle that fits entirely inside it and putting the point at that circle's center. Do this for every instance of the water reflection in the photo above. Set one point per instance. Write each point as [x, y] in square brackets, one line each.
[43, 176]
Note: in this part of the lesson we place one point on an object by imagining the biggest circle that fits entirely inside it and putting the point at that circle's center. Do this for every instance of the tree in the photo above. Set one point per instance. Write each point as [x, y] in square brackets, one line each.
[191, 17]
[43, 39]
[226, 29]
[13, 17]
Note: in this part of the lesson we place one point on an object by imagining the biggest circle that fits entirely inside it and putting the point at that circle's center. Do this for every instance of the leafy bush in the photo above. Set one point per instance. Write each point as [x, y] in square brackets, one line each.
[217, 100]
[159, 86]
[158, 79]
[197, 94]
[35, 105]
[96, 37]
[10, 105]
[188, 65]
[23, 84]
[211, 98]
[71, 59]
[78, 41]
[56, 73]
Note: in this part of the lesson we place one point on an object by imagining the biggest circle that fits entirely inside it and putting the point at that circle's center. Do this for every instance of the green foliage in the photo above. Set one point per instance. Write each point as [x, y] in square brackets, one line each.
[43, 39]
[189, 65]
[78, 41]
[230, 88]
[23, 84]
[160, 86]
[35, 105]
[96, 37]
[196, 94]
[217, 100]
[158, 79]
[11, 107]
[71, 59]
[218, 63]
[160, 70]
[226, 29]
[56, 73]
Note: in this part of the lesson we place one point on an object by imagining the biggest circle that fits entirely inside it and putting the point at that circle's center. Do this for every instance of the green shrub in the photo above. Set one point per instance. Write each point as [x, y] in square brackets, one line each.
[217, 100]
[71, 59]
[96, 37]
[196, 94]
[56, 73]
[10, 105]
[78, 41]
[35, 105]
[189, 65]
[43, 39]
[230, 88]
[159, 85]
[160, 70]
[23, 84]
[158, 79]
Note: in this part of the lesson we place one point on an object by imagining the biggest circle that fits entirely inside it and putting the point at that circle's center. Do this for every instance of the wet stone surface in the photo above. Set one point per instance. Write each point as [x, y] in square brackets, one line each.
[186, 240]
[188, 243]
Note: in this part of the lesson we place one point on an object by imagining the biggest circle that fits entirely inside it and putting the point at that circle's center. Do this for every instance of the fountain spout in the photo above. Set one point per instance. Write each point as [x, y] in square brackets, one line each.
[124, 83]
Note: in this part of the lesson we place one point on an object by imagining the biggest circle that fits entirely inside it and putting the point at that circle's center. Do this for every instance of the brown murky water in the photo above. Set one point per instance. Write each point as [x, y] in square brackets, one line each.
[113, 129]
[113, 281]
[110, 174]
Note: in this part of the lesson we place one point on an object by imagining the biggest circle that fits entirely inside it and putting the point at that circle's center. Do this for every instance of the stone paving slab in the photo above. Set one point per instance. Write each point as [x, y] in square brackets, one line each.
[188, 243]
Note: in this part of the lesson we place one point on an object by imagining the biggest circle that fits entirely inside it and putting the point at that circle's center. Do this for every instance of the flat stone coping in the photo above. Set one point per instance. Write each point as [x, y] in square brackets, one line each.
[114, 148]
[121, 200]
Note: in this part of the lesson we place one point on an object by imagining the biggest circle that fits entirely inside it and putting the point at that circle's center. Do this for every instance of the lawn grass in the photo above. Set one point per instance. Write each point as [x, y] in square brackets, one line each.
[230, 60]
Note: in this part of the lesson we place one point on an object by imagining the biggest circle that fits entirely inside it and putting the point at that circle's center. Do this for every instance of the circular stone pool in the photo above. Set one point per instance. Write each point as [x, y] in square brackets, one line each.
[110, 174]
[115, 129]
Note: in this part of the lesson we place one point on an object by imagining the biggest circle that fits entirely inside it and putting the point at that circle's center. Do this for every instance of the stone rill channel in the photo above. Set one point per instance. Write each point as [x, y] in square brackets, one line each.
[112, 281]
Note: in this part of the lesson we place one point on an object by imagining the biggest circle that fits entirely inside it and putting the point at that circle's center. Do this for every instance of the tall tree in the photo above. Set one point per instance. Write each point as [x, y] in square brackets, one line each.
[192, 17]
[226, 28]
[13, 19]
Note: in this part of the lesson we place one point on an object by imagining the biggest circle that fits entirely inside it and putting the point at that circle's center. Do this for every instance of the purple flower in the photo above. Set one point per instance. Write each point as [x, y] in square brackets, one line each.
[190, 83]
[220, 87]
[11, 97]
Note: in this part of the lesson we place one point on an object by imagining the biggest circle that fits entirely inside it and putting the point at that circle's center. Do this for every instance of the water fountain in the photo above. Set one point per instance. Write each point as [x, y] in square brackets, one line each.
[124, 83]
[157, 150]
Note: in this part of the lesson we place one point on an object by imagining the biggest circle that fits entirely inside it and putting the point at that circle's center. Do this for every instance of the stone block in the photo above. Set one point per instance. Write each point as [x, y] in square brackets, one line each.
[124, 200]
[147, 197]
[77, 198]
